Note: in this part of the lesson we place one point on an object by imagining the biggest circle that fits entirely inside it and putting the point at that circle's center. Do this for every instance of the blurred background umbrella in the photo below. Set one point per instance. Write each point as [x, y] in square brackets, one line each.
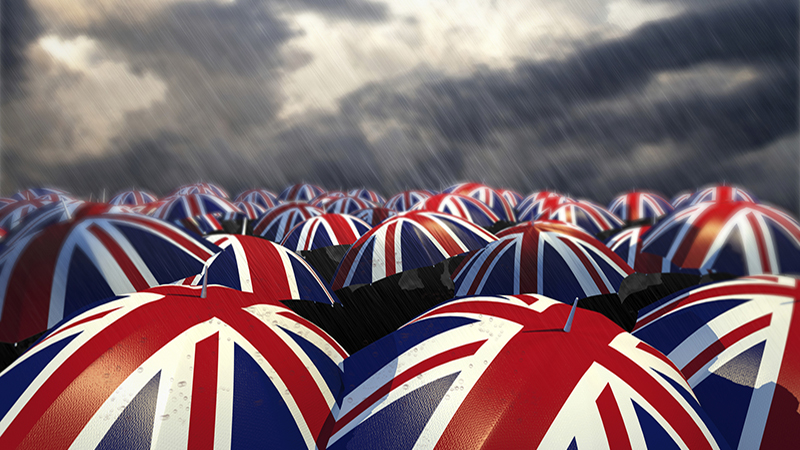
[302, 192]
[278, 221]
[406, 200]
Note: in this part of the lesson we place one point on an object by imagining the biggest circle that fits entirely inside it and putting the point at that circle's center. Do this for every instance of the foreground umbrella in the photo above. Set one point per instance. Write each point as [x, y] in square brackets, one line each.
[48, 275]
[461, 206]
[302, 192]
[500, 373]
[133, 198]
[740, 238]
[636, 205]
[591, 217]
[736, 342]
[406, 200]
[549, 258]
[200, 188]
[166, 368]
[539, 205]
[278, 221]
[261, 197]
[721, 193]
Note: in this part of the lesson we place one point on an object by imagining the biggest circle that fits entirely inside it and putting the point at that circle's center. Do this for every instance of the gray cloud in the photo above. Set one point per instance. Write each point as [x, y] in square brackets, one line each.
[19, 26]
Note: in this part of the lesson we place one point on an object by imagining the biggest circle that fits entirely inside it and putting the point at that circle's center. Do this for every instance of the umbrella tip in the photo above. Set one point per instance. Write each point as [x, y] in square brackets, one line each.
[568, 326]
[244, 226]
[205, 280]
[66, 210]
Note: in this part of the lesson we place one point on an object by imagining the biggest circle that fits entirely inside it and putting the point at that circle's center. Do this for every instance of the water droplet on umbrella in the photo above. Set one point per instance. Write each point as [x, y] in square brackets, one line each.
[181, 383]
[165, 417]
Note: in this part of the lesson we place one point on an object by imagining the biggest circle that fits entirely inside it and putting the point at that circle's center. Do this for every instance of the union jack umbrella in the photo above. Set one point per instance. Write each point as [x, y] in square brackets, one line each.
[368, 195]
[680, 199]
[722, 194]
[591, 217]
[302, 192]
[347, 205]
[407, 241]
[488, 196]
[324, 200]
[635, 206]
[191, 205]
[252, 210]
[48, 275]
[499, 373]
[256, 265]
[513, 198]
[558, 260]
[150, 208]
[200, 188]
[324, 231]
[133, 198]
[539, 205]
[628, 245]
[205, 224]
[278, 221]
[736, 343]
[467, 208]
[739, 238]
[6, 201]
[165, 368]
[35, 193]
[406, 200]
[13, 214]
[261, 197]
[374, 216]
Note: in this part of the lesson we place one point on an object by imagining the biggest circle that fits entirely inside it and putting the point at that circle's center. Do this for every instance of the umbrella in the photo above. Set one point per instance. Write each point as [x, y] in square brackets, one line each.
[302, 192]
[721, 193]
[486, 195]
[256, 265]
[554, 259]
[637, 205]
[324, 231]
[539, 205]
[460, 206]
[407, 241]
[13, 214]
[513, 198]
[47, 275]
[740, 238]
[736, 343]
[133, 198]
[252, 210]
[34, 193]
[181, 207]
[278, 221]
[500, 373]
[347, 205]
[591, 217]
[166, 368]
[260, 197]
[324, 200]
[628, 245]
[6, 201]
[406, 200]
[368, 195]
[374, 216]
[680, 199]
[200, 188]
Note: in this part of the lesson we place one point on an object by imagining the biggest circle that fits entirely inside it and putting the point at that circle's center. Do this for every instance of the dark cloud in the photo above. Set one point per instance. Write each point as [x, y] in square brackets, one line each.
[19, 26]
[361, 10]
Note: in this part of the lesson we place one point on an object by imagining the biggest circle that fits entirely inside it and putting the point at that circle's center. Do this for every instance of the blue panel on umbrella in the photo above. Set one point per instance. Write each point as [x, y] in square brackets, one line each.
[393, 426]
[321, 238]
[788, 254]
[726, 393]
[417, 249]
[612, 274]
[654, 434]
[573, 445]
[18, 378]
[558, 281]
[85, 283]
[166, 262]
[225, 270]
[133, 429]
[307, 285]
[662, 245]
[363, 269]
[327, 368]
[730, 258]
[667, 332]
[259, 412]
[501, 278]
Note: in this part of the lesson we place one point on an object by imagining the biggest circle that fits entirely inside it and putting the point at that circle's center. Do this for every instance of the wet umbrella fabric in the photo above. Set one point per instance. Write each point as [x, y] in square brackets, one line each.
[593, 218]
[368, 195]
[461, 206]
[406, 200]
[133, 198]
[324, 231]
[721, 193]
[636, 205]
[374, 216]
[539, 205]
[488, 196]
[261, 197]
[182, 207]
[302, 192]
[277, 222]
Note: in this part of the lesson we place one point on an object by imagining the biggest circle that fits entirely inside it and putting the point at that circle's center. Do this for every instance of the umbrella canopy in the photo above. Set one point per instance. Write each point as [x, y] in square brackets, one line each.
[133, 198]
[680, 199]
[500, 373]
[467, 208]
[591, 217]
[407, 241]
[324, 231]
[539, 205]
[740, 238]
[278, 221]
[486, 195]
[200, 188]
[34, 193]
[406, 200]
[628, 245]
[635, 206]
[13, 214]
[368, 195]
[736, 343]
[260, 197]
[302, 192]
[256, 265]
[325, 199]
[513, 198]
[182, 207]
[347, 205]
[166, 368]
[554, 259]
[252, 210]
[722, 194]
[374, 216]
[48, 275]
[6, 201]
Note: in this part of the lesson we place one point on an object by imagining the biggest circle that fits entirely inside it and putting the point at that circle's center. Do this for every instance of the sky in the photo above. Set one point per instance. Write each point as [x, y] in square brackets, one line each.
[587, 97]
